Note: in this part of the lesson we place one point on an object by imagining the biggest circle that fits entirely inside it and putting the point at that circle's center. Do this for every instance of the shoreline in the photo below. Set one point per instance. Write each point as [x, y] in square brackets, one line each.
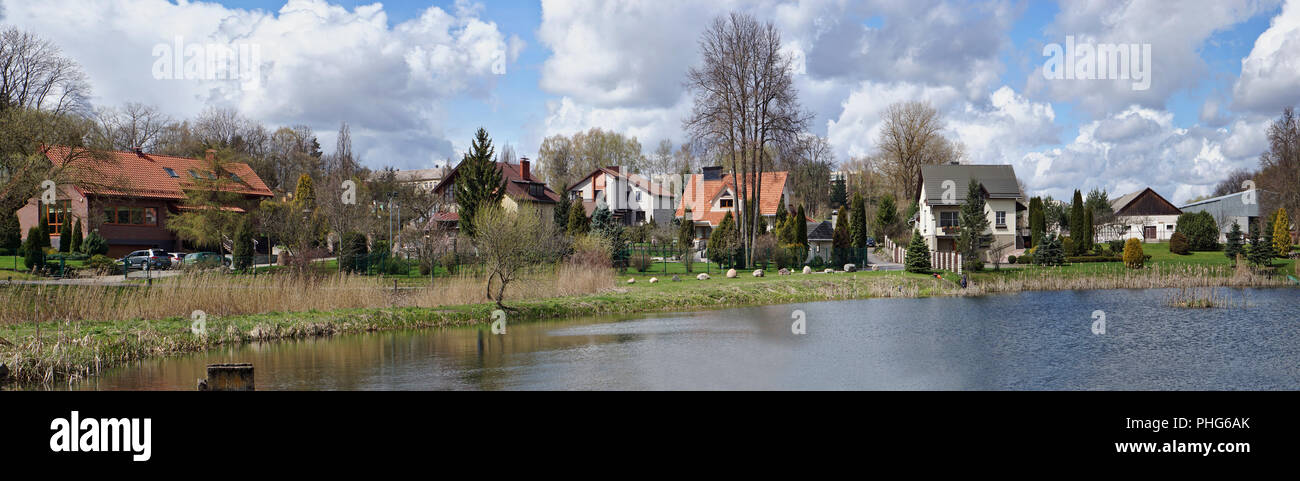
[72, 351]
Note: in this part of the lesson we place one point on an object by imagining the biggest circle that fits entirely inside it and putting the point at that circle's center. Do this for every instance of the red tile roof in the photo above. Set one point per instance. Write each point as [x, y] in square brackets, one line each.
[131, 174]
[516, 184]
[699, 195]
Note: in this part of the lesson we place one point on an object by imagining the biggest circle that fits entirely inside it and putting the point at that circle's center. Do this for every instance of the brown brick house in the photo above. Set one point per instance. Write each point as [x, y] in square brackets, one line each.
[128, 196]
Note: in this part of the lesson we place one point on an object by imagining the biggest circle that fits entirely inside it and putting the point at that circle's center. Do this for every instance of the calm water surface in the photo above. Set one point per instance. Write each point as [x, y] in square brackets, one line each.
[1033, 340]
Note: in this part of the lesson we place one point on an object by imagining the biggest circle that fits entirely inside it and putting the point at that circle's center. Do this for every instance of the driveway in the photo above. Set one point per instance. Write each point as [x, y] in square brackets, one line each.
[883, 263]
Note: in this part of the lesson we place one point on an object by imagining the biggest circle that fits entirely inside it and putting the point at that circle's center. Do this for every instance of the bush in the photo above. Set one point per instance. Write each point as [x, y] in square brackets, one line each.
[785, 257]
[1117, 247]
[1200, 230]
[95, 244]
[1011, 259]
[640, 261]
[817, 263]
[1067, 245]
[590, 251]
[918, 255]
[1133, 256]
[450, 262]
[1178, 244]
[33, 253]
[1086, 259]
[352, 251]
[103, 265]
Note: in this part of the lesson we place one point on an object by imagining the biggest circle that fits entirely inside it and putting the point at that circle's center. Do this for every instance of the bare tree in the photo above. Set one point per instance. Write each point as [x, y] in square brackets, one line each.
[510, 242]
[135, 125]
[809, 160]
[35, 75]
[558, 161]
[661, 161]
[1233, 183]
[745, 102]
[911, 138]
[1279, 167]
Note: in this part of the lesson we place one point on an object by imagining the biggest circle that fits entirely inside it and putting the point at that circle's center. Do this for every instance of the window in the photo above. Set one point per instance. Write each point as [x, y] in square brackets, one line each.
[170, 173]
[131, 215]
[638, 196]
[56, 214]
[595, 194]
[235, 177]
[726, 202]
[536, 190]
[949, 219]
[1001, 217]
[194, 174]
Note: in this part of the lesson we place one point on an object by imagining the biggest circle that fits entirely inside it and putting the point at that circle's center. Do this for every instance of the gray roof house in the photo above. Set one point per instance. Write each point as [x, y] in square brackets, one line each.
[1241, 208]
[942, 191]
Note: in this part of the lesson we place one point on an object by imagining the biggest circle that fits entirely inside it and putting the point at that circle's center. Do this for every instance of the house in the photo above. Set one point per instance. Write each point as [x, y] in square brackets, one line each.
[521, 188]
[632, 199]
[422, 179]
[709, 195]
[129, 196]
[1241, 208]
[943, 191]
[820, 240]
[1143, 215]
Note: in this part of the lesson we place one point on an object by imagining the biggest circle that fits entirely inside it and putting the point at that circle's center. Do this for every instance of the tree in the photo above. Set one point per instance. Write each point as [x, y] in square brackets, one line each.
[509, 243]
[1279, 166]
[1099, 202]
[43, 226]
[1201, 229]
[478, 182]
[858, 225]
[809, 160]
[65, 234]
[1037, 221]
[134, 126]
[95, 244]
[1134, 258]
[33, 252]
[745, 103]
[801, 228]
[839, 193]
[1260, 253]
[972, 240]
[1077, 220]
[1235, 182]
[909, 139]
[578, 223]
[918, 255]
[886, 216]
[611, 232]
[560, 214]
[35, 75]
[1089, 232]
[1178, 244]
[841, 239]
[686, 234]
[1281, 233]
[243, 248]
[721, 246]
[352, 251]
[1234, 247]
[1051, 252]
[207, 219]
[75, 245]
[11, 236]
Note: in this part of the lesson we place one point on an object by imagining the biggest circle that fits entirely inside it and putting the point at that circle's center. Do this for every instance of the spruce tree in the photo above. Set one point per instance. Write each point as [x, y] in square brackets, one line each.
[886, 216]
[971, 239]
[1037, 221]
[560, 213]
[1050, 253]
[839, 193]
[577, 224]
[686, 234]
[918, 255]
[841, 240]
[1234, 247]
[11, 236]
[721, 240]
[76, 237]
[243, 250]
[478, 181]
[858, 229]
[1077, 220]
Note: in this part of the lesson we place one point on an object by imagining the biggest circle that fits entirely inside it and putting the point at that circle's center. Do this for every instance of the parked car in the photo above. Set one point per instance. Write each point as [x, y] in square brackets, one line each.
[153, 258]
[204, 260]
[871, 242]
[176, 258]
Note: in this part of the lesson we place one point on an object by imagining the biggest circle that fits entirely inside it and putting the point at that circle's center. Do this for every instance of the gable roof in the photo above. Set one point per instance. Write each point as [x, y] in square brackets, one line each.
[1143, 202]
[1229, 205]
[638, 180]
[517, 186]
[138, 174]
[999, 181]
[820, 231]
[698, 196]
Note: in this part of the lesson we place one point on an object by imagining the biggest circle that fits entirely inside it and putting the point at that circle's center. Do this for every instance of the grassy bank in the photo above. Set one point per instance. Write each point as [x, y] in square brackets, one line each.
[63, 346]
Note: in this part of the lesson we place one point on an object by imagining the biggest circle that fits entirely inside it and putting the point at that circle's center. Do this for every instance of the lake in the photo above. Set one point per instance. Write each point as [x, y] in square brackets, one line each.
[1025, 341]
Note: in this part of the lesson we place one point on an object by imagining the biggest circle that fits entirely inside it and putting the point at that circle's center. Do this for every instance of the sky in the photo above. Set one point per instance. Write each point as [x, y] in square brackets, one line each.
[414, 80]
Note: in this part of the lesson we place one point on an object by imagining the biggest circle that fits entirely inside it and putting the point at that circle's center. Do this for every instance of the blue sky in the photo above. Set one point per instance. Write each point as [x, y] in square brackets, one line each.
[411, 79]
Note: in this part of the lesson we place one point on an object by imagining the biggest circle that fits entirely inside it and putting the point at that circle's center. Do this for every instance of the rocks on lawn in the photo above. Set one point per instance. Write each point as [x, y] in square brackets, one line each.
[807, 270]
[631, 281]
[850, 268]
[731, 273]
[654, 280]
[783, 272]
[758, 273]
[677, 279]
[702, 277]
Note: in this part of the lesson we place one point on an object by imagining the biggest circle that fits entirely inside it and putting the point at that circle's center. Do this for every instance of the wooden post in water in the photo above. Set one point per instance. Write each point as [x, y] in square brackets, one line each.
[228, 377]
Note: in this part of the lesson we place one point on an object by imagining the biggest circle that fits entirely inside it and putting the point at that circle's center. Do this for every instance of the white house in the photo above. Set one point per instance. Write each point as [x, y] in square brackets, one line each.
[633, 199]
[943, 191]
[1142, 215]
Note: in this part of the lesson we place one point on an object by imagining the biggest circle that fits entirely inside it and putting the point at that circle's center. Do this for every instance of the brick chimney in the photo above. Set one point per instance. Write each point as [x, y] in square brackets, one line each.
[138, 151]
[524, 167]
[210, 155]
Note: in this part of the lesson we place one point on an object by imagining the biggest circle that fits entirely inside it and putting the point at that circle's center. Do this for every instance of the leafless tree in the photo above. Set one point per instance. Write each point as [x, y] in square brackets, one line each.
[135, 125]
[809, 160]
[1233, 183]
[745, 102]
[910, 138]
[1279, 167]
[661, 161]
[35, 75]
[509, 242]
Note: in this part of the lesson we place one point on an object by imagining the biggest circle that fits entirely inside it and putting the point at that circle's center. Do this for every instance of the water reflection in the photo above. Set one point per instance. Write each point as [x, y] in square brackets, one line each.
[1038, 340]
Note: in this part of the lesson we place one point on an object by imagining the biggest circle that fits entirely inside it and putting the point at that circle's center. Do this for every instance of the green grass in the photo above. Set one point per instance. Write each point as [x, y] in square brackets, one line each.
[1160, 255]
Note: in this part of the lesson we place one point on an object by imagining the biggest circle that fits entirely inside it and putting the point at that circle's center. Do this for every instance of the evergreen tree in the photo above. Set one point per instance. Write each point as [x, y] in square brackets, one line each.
[972, 240]
[1234, 247]
[95, 244]
[304, 196]
[1260, 252]
[577, 224]
[560, 213]
[11, 236]
[43, 223]
[801, 229]
[686, 233]
[722, 241]
[886, 216]
[33, 252]
[858, 227]
[243, 250]
[77, 239]
[839, 193]
[1088, 233]
[1037, 221]
[1050, 253]
[1076, 222]
[611, 232]
[478, 180]
[65, 235]
[918, 255]
[1281, 233]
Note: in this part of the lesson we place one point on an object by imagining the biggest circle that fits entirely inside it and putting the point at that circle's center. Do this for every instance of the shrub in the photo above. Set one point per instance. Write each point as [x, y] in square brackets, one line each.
[1051, 253]
[590, 251]
[1011, 259]
[918, 255]
[1117, 247]
[1200, 230]
[352, 251]
[1178, 244]
[1067, 244]
[449, 261]
[1133, 256]
[33, 253]
[1086, 259]
[817, 263]
[640, 261]
[103, 265]
[95, 244]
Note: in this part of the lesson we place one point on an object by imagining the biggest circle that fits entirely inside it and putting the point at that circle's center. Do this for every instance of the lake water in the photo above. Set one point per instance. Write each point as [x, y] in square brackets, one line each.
[1029, 341]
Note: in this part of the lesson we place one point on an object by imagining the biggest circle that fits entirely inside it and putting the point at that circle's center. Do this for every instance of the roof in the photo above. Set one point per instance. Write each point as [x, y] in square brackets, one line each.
[998, 180]
[517, 186]
[131, 174]
[699, 195]
[417, 175]
[1143, 202]
[820, 231]
[654, 188]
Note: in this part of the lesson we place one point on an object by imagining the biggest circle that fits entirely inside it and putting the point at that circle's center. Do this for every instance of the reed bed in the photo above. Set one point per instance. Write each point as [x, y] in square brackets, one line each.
[1202, 298]
[1154, 277]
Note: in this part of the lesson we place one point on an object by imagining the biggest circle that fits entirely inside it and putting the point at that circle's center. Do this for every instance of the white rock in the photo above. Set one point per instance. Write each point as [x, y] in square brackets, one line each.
[654, 280]
[807, 270]
[783, 272]
[731, 273]
[829, 271]
[850, 268]
[631, 281]
[758, 273]
[702, 277]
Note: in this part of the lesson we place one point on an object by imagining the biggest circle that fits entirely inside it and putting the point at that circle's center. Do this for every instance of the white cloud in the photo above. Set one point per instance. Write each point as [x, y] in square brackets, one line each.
[1270, 75]
[321, 64]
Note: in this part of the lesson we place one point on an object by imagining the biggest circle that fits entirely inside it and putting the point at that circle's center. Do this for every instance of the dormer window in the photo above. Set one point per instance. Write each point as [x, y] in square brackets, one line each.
[536, 190]
[170, 173]
[195, 174]
[726, 202]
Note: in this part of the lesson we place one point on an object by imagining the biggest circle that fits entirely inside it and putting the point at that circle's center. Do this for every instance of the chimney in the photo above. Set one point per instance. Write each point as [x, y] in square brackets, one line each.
[523, 168]
[210, 155]
[711, 173]
[138, 151]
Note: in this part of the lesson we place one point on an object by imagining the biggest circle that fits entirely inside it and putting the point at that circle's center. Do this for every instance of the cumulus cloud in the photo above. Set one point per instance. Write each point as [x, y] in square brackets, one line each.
[1270, 75]
[320, 64]
[1176, 43]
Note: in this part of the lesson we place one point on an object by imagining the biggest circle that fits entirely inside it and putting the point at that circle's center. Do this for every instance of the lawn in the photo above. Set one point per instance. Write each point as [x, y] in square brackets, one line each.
[1160, 256]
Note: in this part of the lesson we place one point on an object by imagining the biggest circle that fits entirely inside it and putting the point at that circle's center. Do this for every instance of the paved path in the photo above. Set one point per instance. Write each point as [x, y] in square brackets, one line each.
[883, 263]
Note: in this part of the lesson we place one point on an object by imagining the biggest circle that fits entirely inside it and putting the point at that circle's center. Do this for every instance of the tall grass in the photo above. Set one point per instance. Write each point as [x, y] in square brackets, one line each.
[1155, 277]
[220, 294]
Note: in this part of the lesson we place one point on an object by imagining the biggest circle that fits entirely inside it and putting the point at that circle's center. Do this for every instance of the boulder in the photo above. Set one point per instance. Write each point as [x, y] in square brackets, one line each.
[783, 272]
[702, 277]
[654, 280]
[631, 281]
[758, 273]
[828, 271]
[731, 273]
[807, 270]
[677, 279]
[850, 268]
